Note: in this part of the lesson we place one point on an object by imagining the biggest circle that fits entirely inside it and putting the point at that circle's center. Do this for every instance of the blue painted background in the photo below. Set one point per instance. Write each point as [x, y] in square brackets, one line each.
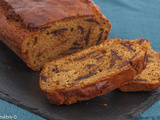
[7, 109]
[130, 19]
[133, 19]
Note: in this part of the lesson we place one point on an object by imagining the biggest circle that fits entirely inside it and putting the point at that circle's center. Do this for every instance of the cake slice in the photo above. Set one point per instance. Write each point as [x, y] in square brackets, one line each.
[149, 79]
[39, 31]
[92, 72]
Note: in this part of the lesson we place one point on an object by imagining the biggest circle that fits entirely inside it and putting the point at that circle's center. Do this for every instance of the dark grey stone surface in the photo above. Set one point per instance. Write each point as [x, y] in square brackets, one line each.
[20, 85]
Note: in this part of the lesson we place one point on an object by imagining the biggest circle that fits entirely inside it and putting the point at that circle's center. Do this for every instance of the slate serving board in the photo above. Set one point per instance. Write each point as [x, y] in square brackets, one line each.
[19, 85]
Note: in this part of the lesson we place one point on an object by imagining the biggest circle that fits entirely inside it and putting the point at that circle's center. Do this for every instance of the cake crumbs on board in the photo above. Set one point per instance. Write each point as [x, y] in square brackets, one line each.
[105, 105]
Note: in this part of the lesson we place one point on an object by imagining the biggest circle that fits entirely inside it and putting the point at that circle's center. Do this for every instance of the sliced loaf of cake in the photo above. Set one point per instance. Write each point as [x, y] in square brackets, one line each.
[39, 31]
[149, 79]
[92, 72]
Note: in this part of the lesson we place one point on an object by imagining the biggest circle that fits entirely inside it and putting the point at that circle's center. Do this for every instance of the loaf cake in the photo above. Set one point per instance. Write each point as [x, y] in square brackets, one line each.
[39, 31]
[149, 79]
[92, 72]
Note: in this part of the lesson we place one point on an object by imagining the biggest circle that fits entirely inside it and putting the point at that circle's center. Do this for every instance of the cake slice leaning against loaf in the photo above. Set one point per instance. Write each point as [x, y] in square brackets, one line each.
[149, 79]
[92, 72]
[39, 31]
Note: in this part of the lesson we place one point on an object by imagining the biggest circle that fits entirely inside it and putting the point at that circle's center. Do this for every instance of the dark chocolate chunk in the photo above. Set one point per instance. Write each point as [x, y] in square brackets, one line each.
[100, 57]
[55, 70]
[81, 29]
[86, 39]
[99, 38]
[71, 85]
[90, 65]
[131, 58]
[92, 20]
[127, 46]
[65, 40]
[112, 62]
[105, 38]
[126, 63]
[139, 80]
[69, 53]
[115, 55]
[95, 69]
[75, 43]
[114, 58]
[90, 53]
[83, 57]
[94, 56]
[42, 28]
[40, 54]
[144, 63]
[72, 29]
[131, 63]
[59, 31]
[141, 41]
[85, 76]
[150, 56]
[43, 78]
[98, 54]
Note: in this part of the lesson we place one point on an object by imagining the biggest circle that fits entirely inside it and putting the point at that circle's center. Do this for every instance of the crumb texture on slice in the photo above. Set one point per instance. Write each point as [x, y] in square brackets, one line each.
[149, 79]
[39, 31]
[91, 72]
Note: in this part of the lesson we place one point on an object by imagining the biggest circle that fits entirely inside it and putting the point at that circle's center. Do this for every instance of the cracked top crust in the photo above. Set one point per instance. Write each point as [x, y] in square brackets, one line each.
[35, 13]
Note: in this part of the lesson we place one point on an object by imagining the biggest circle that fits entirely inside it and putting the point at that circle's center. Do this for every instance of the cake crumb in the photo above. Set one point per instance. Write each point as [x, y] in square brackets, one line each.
[105, 105]
[9, 68]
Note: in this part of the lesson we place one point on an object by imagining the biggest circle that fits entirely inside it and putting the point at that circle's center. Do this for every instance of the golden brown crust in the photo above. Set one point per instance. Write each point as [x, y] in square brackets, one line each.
[21, 20]
[36, 13]
[72, 95]
[134, 87]
[12, 35]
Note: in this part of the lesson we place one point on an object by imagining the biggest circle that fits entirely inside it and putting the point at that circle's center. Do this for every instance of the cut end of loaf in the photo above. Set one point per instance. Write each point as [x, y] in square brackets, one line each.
[62, 38]
[149, 78]
[39, 34]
